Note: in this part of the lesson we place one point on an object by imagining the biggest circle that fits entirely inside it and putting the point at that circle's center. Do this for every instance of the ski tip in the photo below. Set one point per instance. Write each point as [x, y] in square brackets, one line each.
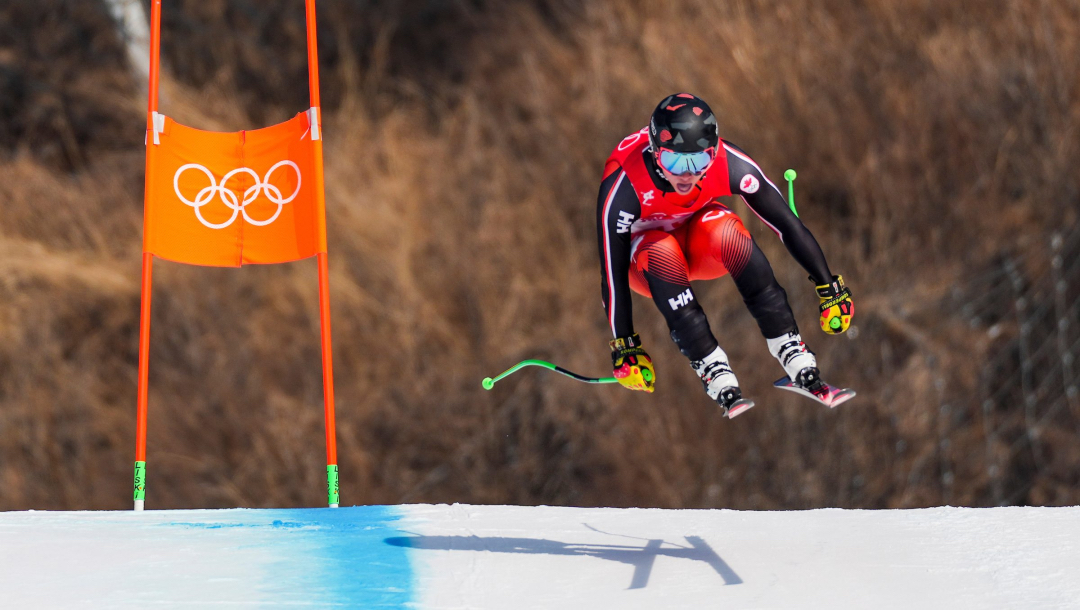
[739, 407]
[841, 396]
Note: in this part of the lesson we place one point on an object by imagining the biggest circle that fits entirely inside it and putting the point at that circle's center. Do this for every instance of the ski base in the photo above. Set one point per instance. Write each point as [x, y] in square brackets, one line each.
[828, 395]
[738, 408]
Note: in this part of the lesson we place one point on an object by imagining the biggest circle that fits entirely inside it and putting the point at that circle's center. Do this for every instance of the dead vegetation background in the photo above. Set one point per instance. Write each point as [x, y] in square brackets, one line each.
[464, 147]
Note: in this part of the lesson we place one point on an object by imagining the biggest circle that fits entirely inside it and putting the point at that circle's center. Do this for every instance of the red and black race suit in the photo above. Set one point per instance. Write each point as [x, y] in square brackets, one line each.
[654, 241]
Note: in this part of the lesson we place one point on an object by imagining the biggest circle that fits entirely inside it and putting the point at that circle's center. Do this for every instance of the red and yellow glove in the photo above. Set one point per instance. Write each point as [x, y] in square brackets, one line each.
[836, 306]
[632, 366]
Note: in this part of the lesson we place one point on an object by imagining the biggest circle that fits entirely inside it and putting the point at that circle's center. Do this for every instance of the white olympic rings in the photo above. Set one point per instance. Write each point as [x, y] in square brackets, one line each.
[206, 195]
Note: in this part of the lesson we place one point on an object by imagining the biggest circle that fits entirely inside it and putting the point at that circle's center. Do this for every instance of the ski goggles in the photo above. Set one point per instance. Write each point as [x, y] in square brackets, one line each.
[681, 164]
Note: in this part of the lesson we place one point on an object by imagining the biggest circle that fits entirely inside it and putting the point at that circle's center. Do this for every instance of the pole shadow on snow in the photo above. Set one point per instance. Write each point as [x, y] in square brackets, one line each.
[641, 558]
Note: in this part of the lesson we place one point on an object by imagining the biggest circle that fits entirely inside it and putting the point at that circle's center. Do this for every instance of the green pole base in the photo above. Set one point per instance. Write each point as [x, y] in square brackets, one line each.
[140, 485]
[333, 495]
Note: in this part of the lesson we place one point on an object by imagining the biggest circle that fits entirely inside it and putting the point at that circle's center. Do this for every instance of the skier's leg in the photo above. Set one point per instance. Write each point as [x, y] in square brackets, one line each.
[658, 268]
[717, 240]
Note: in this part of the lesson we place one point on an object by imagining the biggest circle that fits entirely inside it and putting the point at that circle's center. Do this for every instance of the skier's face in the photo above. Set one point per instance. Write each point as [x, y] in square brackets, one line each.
[682, 184]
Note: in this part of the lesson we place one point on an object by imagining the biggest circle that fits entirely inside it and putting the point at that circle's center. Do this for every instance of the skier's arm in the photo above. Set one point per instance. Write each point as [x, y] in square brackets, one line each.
[617, 207]
[770, 206]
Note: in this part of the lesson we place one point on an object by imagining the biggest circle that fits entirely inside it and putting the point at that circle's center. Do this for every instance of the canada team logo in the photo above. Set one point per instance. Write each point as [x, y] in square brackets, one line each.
[749, 184]
[228, 197]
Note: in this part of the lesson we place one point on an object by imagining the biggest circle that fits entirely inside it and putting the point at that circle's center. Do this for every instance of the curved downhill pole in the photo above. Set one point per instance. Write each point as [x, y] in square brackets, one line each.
[490, 382]
[147, 265]
[332, 489]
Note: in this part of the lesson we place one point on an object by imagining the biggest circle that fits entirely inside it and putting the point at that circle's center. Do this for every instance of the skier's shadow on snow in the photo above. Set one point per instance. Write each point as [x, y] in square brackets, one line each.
[641, 557]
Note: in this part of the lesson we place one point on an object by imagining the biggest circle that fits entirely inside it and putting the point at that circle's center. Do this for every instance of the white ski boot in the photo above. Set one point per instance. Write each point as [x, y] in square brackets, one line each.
[803, 376]
[798, 361]
[720, 383]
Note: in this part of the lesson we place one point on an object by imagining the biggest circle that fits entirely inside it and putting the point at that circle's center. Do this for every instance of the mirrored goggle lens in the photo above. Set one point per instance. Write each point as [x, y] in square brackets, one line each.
[685, 163]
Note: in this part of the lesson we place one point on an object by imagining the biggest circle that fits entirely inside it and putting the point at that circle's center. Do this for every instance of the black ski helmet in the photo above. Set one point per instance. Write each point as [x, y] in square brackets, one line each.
[683, 123]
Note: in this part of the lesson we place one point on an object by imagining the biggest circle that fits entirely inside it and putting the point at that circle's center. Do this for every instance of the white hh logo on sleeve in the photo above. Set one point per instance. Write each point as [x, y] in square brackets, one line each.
[749, 184]
[682, 300]
[623, 222]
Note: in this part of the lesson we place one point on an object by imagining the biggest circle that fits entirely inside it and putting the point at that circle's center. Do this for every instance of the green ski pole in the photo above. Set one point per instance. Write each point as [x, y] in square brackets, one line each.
[790, 177]
[489, 382]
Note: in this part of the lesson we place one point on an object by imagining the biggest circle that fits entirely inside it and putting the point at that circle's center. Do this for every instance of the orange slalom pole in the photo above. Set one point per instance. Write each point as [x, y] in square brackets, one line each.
[144, 376]
[155, 59]
[313, 55]
[332, 486]
[146, 291]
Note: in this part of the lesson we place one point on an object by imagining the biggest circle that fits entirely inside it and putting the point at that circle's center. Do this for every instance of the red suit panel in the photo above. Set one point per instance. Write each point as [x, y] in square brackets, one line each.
[713, 243]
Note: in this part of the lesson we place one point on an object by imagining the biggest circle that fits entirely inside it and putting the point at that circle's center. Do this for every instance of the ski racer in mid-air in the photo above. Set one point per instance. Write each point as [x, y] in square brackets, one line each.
[660, 225]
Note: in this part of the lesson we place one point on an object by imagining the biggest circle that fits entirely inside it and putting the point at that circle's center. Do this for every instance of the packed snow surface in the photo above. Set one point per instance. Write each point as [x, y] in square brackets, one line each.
[459, 556]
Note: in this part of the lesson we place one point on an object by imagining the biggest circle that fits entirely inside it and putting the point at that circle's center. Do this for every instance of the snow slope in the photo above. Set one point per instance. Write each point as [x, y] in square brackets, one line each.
[460, 556]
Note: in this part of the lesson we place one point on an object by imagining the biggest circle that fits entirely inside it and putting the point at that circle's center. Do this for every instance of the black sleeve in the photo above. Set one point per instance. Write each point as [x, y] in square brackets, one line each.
[617, 207]
[765, 200]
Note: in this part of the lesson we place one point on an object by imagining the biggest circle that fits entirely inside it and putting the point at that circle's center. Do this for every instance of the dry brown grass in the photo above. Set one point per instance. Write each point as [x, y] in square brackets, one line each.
[464, 147]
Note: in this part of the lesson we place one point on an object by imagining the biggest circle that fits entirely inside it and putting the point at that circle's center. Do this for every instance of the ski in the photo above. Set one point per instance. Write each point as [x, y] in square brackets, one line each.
[828, 395]
[738, 407]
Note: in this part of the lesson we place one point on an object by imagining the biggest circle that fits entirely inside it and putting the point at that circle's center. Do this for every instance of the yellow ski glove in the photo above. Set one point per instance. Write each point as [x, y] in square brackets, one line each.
[836, 306]
[632, 366]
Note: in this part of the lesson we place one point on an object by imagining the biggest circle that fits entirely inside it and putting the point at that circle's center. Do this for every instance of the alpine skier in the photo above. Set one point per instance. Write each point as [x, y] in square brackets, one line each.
[660, 225]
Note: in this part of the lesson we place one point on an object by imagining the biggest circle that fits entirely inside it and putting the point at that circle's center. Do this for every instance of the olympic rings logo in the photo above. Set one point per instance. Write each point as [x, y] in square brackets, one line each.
[238, 207]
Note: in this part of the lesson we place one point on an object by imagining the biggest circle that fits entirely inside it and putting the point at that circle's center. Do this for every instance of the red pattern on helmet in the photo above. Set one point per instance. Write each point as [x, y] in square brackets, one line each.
[673, 108]
[689, 95]
[698, 111]
[665, 135]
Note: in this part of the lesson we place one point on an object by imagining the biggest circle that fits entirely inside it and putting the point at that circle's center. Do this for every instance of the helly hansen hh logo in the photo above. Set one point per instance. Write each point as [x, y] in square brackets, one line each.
[623, 222]
[682, 300]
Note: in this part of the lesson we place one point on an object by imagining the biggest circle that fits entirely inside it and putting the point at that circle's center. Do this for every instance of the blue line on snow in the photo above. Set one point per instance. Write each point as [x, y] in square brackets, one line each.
[324, 556]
